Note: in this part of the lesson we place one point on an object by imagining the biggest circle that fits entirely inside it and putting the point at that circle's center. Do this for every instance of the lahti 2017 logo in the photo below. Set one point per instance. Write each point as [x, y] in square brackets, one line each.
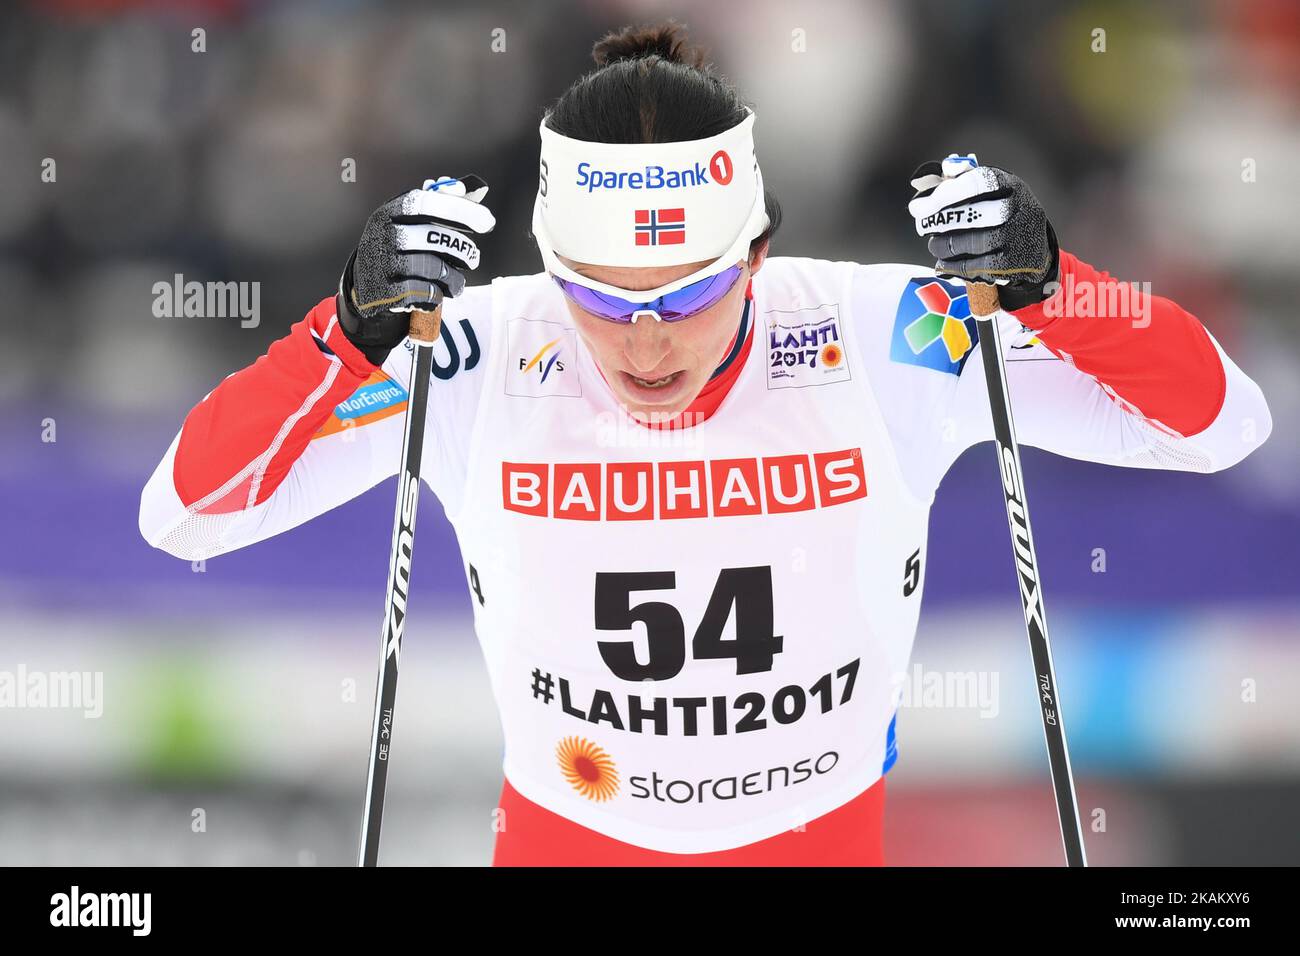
[805, 348]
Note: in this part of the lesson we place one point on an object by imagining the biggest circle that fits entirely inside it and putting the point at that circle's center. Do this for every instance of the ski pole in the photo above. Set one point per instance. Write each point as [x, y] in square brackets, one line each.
[983, 299]
[424, 330]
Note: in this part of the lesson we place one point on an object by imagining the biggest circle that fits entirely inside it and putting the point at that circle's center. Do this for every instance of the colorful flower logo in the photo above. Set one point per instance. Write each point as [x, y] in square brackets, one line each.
[588, 768]
[939, 323]
[933, 327]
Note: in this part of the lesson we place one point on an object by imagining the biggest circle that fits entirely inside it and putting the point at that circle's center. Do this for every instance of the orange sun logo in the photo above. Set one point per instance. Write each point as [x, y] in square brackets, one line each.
[588, 769]
[831, 355]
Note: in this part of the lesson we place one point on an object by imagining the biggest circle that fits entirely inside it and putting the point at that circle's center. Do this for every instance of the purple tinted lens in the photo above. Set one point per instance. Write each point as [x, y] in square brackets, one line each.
[698, 296]
[681, 304]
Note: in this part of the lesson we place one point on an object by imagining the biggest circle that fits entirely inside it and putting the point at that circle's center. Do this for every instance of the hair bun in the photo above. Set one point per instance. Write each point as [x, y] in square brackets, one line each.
[666, 40]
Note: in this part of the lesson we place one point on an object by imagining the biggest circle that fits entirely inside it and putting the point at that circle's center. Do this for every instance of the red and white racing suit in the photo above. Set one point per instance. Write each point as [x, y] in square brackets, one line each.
[697, 637]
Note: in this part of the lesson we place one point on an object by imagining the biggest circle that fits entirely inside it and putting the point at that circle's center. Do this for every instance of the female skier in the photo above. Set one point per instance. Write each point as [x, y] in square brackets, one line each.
[690, 480]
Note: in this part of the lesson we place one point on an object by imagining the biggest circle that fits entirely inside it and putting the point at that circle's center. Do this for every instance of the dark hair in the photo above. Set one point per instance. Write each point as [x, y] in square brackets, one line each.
[653, 86]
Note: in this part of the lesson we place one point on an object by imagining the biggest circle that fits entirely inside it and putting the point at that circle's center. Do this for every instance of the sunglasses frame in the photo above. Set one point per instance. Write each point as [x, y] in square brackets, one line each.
[637, 306]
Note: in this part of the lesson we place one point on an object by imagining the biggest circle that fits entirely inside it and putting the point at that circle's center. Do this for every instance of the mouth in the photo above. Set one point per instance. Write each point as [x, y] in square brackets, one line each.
[656, 390]
[661, 382]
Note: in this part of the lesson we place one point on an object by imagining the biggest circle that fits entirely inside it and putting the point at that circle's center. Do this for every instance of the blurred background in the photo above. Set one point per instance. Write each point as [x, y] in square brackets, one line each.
[236, 698]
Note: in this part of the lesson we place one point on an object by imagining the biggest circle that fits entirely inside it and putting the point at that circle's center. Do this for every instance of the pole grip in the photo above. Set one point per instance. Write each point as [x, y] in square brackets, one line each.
[425, 326]
[983, 299]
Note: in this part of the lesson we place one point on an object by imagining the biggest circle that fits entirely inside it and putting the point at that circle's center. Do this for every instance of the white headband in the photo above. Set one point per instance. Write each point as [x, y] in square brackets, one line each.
[649, 204]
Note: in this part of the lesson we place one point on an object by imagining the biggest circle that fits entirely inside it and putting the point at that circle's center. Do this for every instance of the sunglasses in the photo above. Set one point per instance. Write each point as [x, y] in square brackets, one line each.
[687, 301]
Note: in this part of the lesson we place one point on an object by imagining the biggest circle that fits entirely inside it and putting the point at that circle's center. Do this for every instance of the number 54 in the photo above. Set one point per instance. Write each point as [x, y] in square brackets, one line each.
[749, 590]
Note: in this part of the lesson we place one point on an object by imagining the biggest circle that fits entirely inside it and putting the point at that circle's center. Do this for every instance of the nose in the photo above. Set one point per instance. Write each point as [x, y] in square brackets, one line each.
[647, 345]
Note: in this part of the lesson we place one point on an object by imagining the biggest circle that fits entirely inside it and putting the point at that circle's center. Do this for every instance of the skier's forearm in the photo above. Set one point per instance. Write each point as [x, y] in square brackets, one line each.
[1145, 348]
[237, 445]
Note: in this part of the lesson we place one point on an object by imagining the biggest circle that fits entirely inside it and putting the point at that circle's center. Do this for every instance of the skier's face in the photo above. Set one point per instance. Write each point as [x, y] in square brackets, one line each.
[656, 369]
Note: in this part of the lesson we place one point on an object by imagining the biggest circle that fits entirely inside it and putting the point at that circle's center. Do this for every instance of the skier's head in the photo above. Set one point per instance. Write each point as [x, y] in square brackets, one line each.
[648, 184]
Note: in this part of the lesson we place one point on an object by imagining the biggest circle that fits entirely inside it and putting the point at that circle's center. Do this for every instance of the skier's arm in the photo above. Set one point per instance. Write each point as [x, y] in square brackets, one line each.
[1148, 388]
[315, 421]
[244, 465]
[1156, 392]
[308, 426]
[1103, 371]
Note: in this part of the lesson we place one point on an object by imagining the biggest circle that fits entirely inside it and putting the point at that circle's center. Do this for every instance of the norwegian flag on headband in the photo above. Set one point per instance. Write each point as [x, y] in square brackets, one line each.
[660, 227]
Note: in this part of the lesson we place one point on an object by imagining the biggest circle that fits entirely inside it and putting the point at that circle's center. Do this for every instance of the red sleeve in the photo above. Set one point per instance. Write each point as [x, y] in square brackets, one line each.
[1143, 348]
[238, 443]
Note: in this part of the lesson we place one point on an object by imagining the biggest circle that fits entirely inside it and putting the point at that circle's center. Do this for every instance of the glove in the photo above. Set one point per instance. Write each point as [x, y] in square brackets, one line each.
[983, 224]
[414, 250]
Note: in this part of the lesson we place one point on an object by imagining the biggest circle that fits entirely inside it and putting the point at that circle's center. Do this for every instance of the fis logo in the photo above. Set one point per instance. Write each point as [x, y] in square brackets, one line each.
[546, 360]
[542, 363]
[933, 326]
[660, 227]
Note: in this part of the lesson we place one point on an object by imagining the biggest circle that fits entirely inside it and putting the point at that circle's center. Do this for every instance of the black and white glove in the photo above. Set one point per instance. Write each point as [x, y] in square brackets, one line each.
[983, 224]
[415, 249]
